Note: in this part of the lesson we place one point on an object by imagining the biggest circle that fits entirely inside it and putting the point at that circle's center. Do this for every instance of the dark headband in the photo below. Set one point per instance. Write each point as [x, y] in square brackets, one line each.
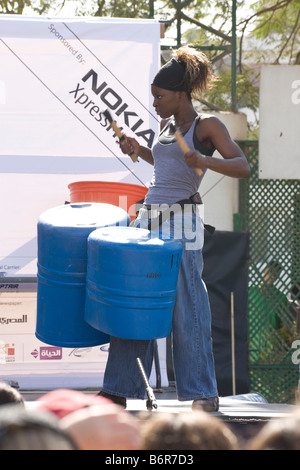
[171, 76]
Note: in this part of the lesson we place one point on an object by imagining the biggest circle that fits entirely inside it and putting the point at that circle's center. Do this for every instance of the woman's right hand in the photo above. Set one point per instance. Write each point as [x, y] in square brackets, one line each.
[129, 145]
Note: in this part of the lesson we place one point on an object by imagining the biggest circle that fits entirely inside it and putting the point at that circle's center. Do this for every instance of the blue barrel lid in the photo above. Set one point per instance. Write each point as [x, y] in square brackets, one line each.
[84, 215]
[63, 232]
[129, 236]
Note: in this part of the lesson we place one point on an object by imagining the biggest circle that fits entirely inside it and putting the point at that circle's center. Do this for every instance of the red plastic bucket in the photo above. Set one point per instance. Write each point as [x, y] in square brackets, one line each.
[118, 194]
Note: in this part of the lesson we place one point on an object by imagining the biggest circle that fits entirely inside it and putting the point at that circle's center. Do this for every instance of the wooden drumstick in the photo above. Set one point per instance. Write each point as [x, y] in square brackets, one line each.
[182, 144]
[118, 132]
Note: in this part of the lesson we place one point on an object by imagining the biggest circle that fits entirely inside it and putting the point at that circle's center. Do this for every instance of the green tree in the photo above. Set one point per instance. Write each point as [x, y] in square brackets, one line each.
[113, 8]
[273, 24]
[11, 7]
[277, 24]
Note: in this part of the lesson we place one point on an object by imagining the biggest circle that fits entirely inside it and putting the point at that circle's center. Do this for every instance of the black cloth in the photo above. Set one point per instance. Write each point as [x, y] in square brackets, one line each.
[171, 76]
[226, 256]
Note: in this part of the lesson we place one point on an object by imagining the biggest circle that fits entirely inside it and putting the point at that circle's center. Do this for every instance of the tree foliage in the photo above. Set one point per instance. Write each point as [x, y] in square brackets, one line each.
[113, 8]
[268, 31]
[17, 7]
[276, 23]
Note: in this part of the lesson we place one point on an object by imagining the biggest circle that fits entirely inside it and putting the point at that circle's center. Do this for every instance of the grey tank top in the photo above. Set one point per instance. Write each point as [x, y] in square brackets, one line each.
[173, 180]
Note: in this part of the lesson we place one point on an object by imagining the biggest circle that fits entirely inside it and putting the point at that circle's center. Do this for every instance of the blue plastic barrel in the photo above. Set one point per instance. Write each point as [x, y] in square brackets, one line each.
[131, 282]
[62, 264]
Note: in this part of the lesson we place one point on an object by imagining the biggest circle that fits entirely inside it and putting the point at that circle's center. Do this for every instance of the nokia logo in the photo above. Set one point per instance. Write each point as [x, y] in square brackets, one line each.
[110, 99]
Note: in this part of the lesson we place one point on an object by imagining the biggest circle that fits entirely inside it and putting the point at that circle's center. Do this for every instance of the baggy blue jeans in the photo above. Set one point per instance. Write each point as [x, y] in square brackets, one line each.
[191, 327]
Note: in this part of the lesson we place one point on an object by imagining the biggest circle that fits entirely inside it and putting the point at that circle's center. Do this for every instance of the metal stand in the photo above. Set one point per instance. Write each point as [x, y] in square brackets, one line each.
[151, 402]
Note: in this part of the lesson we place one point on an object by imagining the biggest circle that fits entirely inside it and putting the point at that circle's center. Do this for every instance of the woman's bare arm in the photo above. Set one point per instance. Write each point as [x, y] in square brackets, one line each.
[234, 162]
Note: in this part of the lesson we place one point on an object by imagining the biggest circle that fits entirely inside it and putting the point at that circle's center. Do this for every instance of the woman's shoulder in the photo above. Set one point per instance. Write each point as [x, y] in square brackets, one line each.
[209, 124]
[209, 119]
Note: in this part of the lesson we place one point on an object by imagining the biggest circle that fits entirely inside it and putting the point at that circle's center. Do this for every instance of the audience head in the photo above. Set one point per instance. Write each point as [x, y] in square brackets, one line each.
[105, 427]
[9, 394]
[279, 434]
[62, 402]
[23, 429]
[196, 430]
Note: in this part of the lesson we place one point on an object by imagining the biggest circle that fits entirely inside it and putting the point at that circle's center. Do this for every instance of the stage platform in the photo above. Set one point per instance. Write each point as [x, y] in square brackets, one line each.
[245, 414]
[248, 406]
[248, 409]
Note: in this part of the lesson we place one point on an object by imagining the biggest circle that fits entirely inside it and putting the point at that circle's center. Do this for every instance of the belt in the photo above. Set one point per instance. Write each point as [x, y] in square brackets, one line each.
[159, 216]
[194, 199]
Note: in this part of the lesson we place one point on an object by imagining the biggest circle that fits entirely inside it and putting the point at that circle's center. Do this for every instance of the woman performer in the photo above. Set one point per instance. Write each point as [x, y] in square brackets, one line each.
[176, 179]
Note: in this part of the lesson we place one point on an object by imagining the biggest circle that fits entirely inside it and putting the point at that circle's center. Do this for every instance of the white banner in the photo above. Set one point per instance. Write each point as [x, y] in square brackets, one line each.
[33, 363]
[56, 77]
[279, 122]
[36, 365]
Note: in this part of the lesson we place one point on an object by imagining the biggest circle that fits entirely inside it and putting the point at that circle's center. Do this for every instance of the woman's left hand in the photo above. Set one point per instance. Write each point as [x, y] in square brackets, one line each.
[195, 159]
